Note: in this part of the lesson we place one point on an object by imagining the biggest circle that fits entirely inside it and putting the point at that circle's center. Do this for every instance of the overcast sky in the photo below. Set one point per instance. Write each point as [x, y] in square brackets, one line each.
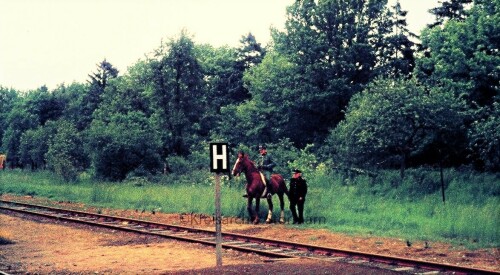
[49, 42]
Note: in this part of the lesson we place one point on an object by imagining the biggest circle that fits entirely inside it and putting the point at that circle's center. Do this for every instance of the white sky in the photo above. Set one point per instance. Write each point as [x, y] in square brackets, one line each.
[49, 42]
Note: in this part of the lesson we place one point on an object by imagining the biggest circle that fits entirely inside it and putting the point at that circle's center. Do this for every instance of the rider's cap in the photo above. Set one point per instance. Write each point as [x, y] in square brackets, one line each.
[296, 171]
[262, 146]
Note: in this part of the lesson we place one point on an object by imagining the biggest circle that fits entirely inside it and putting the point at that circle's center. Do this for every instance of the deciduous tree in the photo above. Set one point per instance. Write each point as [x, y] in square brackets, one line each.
[178, 94]
[333, 47]
[392, 120]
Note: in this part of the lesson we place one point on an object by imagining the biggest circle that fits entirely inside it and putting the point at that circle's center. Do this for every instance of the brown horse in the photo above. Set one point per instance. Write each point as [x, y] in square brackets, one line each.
[255, 188]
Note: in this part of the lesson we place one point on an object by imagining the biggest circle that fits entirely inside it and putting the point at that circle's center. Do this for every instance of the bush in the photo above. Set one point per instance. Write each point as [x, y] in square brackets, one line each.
[484, 139]
[65, 155]
[394, 119]
[178, 165]
[124, 144]
[282, 153]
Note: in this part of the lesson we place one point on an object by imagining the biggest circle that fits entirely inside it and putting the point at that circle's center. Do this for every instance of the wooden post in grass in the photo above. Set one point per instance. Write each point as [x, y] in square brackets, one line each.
[441, 175]
[219, 163]
[218, 229]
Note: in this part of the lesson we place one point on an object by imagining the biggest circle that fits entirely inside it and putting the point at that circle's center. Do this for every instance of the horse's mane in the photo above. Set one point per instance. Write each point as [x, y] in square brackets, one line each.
[251, 164]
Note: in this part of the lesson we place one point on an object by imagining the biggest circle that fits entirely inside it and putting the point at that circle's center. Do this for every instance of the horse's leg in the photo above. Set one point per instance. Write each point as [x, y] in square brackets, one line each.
[250, 208]
[282, 206]
[257, 206]
[270, 213]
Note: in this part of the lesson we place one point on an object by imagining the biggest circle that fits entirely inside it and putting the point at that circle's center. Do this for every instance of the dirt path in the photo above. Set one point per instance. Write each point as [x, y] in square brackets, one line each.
[44, 247]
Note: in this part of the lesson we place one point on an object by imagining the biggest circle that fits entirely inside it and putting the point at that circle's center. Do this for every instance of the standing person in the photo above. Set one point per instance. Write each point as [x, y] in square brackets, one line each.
[298, 191]
[266, 165]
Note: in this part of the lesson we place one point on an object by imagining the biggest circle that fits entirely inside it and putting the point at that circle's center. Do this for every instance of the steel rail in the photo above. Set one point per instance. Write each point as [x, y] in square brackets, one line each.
[245, 243]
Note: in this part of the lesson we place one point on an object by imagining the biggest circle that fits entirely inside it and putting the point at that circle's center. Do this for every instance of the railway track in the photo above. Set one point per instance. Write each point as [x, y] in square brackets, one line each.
[244, 243]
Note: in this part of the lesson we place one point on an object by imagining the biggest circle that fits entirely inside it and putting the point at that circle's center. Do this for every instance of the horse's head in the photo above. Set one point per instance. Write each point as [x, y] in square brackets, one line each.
[238, 165]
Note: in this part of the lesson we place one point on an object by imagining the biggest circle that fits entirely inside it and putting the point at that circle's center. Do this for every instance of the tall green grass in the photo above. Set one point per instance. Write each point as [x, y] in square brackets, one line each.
[385, 205]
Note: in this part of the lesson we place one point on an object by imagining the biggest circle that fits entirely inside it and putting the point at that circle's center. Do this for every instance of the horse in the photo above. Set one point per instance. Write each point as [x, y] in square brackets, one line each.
[255, 188]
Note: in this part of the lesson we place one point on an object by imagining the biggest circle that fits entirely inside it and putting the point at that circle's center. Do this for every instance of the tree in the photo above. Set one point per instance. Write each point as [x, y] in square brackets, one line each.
[123, 143]
[98, 82]
[75, 111]
[123, 138]
[267, 117]
[224, 68]
[44, 104]
[454, 9]
[34, 144]
[8, 98]
[65, 154]
[105, 71]
[18, 120]
[463, 56]
[391, 121]
[177, 92]
[333, 47]
[223, 83]
[484, 138]
[396, 50]
[250, 52]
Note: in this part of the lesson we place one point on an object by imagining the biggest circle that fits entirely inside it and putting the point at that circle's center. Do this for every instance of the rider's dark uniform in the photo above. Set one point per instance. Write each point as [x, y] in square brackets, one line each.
[266, 165]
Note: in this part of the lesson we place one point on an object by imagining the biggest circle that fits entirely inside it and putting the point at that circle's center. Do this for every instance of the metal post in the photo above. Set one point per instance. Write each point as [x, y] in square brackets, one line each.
[218, 234]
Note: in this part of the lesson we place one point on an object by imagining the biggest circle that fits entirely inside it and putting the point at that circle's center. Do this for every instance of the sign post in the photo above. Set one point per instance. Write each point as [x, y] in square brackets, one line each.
[219, 163]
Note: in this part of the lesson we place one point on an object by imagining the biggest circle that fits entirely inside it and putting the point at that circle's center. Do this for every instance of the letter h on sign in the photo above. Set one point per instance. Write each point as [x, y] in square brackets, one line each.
[219, 158]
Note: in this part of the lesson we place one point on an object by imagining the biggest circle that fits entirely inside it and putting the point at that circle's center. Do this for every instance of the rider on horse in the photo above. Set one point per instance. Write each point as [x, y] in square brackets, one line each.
[266, 166]
[255, 187]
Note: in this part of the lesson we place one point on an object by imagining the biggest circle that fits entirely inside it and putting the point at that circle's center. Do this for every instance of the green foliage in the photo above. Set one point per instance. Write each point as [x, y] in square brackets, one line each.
[304, 161]
[417, 184]
[93, 96]
[123, 143]
[35, 144]
[178, 165]
[250, 52]
[223, 80]
[395, 48]
[65, 155]
[177, 94]
[268, 117]
[101, 193]
[74, 96]
[391, 120]
[8, 98]
[454, 9]
[484, 137]
[19, 120]
[293, 96]
[463, 55]
[332, 58]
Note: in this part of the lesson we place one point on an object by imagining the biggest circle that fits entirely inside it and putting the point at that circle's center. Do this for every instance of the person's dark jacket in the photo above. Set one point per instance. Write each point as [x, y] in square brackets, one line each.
[266, 163]
[298, 188]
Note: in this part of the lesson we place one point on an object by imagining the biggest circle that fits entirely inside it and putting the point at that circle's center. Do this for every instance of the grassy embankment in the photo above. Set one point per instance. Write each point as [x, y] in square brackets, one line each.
[411, 209]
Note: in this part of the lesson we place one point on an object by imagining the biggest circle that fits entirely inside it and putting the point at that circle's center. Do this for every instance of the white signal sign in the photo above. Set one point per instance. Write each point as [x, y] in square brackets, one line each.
[219, 163]
[219, 158]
